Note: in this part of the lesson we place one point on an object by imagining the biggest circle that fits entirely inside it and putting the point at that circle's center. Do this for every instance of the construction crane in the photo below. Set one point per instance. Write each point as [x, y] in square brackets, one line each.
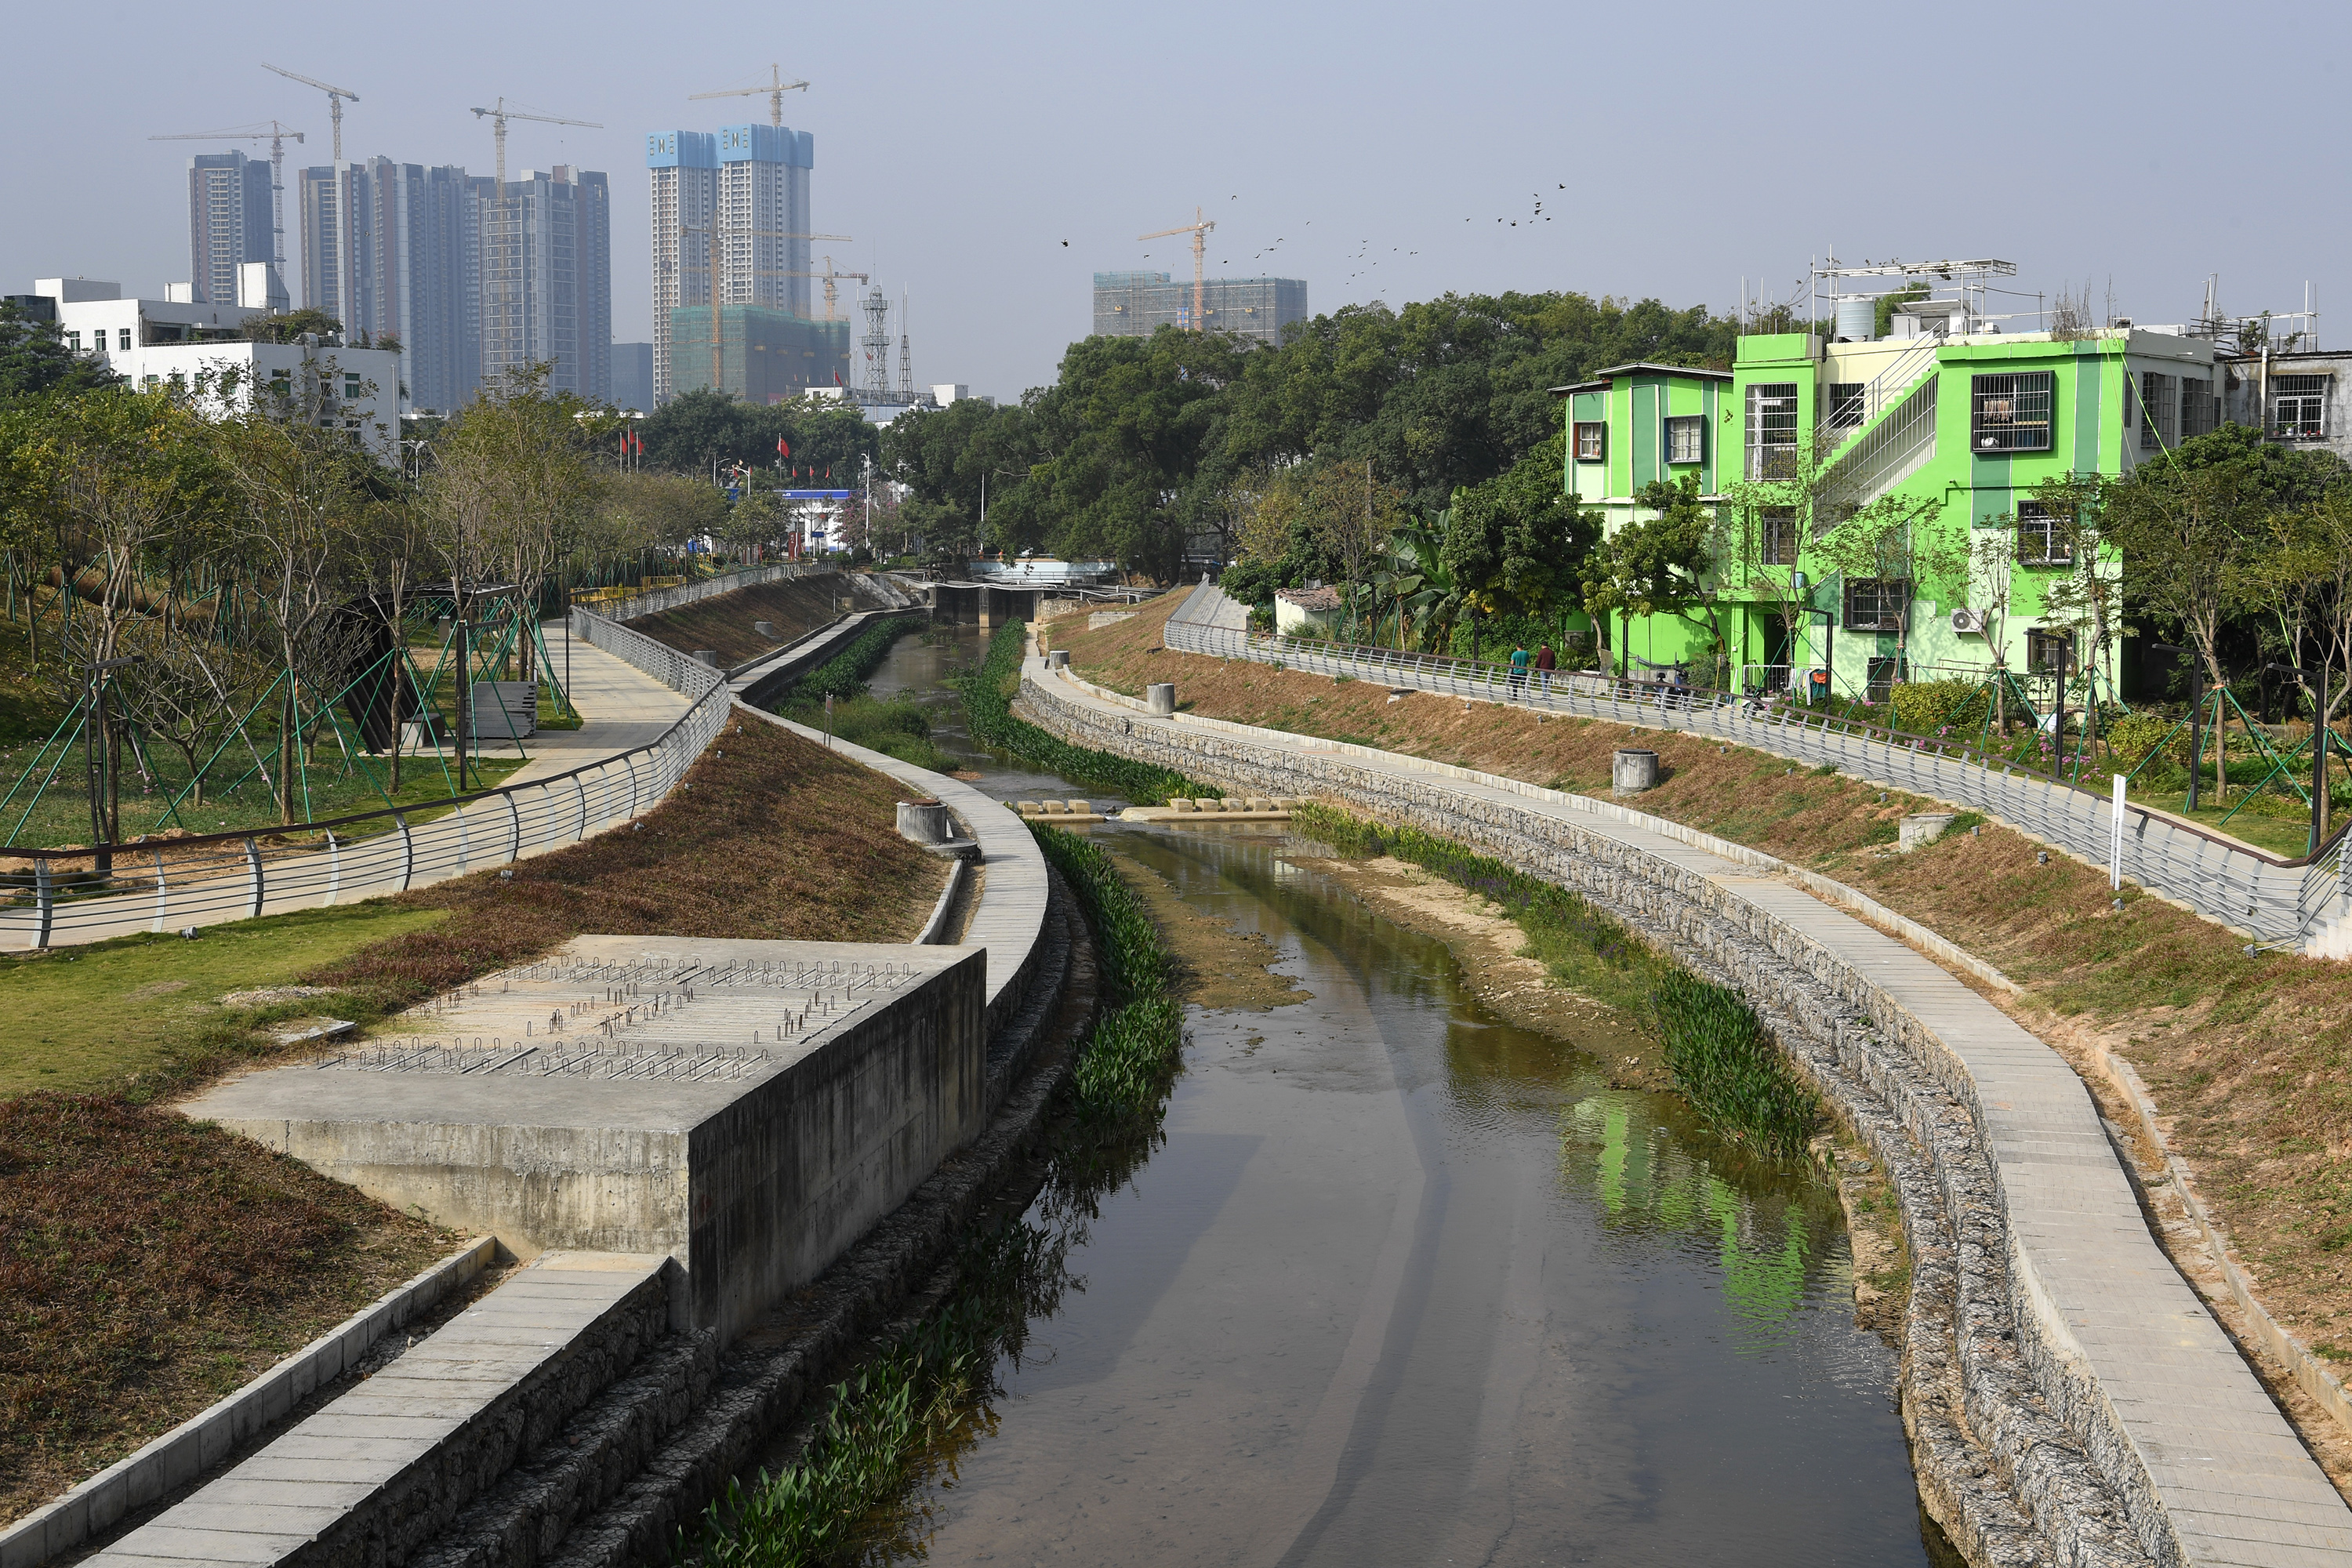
[1199, 229]
[497, 114]
[775, 89]
[275, 135]
[335, 96]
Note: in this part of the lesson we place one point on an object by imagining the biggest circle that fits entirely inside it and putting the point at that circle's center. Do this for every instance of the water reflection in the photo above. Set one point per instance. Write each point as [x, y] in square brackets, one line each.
[1395, 1281]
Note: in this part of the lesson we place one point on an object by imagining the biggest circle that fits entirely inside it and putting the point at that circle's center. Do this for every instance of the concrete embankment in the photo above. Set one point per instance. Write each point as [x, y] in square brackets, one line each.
[772, 1143]
[2068, 1398]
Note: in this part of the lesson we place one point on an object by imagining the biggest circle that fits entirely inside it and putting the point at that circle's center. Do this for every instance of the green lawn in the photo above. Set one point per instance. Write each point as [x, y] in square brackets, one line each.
[101, 1017]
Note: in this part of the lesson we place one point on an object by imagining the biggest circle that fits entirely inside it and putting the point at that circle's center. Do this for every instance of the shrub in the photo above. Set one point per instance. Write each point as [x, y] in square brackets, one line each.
[2133, 736]
[1928, 707]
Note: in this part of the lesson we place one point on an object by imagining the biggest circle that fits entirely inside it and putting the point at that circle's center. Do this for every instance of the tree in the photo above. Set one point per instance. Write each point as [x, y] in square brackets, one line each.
[33, 359]
[1890, 540]
[292, 327]
[1518, 543]
[1660, 565]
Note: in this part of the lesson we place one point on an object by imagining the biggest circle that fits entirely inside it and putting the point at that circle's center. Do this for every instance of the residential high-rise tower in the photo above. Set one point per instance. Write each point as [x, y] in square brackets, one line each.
[228, 222]
[547, 279]
[731, 220]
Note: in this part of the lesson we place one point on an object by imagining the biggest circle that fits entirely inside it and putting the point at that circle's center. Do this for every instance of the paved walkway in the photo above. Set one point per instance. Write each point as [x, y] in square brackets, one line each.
[2232, 1478]
[378, 1462]
[620, 706]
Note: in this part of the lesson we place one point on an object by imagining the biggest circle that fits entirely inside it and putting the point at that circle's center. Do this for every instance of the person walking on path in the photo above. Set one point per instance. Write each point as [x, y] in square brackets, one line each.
[1518, 670]
[1546, 662]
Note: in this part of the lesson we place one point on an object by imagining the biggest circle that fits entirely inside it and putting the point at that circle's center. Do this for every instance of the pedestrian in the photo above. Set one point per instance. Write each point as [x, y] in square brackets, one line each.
[1546, 662]
[1518, 670]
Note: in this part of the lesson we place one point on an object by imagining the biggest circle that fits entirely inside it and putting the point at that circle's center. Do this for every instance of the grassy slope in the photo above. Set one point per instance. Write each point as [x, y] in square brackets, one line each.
[2246, 1056]
[723, 623]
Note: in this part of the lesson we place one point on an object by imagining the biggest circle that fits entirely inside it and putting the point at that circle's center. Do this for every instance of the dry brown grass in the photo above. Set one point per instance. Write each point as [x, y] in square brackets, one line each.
[772, 837]
[150, 1266]
[2246, 1057]
[723, 623]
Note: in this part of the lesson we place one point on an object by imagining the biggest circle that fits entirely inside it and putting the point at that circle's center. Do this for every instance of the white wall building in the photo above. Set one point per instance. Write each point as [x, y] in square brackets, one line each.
[177, 343]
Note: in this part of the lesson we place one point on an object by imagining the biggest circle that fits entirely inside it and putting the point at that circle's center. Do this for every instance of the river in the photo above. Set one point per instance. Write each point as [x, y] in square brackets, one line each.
[1402, 1283]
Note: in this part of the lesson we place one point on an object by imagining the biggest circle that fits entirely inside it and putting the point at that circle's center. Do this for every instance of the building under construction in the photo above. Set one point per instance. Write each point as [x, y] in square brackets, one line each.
[761, 356]
[1137, 304]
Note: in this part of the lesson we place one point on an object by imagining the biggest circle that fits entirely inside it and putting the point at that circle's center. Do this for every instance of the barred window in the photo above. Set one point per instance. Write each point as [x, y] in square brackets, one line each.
[1776, 528]
[2201, 411]
[2010, 412]
[2159, 428]
[1685, 438]
[2299, 407]
[2050, 649]
[1589, 435]
[2041, 539]
[1846, 404]
[1875, 604]
[1772, 430]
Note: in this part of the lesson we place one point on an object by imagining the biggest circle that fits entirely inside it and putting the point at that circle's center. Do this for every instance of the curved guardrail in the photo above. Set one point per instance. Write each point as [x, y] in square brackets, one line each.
[57, 897]
[2273, 900]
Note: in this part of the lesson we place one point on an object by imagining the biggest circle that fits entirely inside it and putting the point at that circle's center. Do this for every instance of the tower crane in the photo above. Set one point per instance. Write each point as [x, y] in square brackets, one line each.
[497, 114]
[1199, 229]
[335, 96]
[275, 135]
[775, 89]
[710, 270]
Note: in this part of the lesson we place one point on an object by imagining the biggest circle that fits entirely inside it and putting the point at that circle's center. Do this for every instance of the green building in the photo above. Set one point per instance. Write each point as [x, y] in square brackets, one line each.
[761, 356]
[1934, 438]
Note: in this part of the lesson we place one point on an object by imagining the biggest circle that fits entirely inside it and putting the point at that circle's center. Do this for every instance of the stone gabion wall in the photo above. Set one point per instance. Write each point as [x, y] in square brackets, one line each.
[2018, 1454]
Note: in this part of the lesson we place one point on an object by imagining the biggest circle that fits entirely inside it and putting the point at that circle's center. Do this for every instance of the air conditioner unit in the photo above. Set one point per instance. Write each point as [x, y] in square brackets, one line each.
[1968, 621]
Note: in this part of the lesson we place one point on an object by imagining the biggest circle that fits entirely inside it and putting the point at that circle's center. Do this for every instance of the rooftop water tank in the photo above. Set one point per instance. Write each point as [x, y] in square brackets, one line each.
[1857, 319]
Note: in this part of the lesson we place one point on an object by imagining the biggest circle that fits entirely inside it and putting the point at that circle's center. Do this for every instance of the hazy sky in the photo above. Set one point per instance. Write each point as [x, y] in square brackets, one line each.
[2143, 146]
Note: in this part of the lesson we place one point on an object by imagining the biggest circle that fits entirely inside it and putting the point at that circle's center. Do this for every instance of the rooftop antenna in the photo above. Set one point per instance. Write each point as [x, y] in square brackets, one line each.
[775, 88]
[335, 96]
[276, 136]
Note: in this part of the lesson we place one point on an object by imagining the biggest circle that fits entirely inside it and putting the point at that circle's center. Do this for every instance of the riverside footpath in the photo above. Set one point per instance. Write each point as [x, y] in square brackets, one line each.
[2069, 1398]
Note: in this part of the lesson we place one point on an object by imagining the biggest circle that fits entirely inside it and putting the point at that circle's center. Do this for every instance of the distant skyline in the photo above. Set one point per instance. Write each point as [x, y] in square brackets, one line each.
[1368, 150]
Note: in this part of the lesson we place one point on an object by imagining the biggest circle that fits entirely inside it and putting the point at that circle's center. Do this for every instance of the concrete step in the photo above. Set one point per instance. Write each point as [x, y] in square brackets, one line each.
[391, 1464]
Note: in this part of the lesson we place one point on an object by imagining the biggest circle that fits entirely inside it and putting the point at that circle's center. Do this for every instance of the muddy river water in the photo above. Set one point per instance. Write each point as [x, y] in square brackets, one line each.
[1402, 1283]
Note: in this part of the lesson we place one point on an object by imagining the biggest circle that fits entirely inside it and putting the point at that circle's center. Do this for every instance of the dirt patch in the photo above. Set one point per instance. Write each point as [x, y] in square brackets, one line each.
[1492, 952]
[768, 836]
[2246, 1056]
[1217, 967]
[723, 623]
[150, 1266]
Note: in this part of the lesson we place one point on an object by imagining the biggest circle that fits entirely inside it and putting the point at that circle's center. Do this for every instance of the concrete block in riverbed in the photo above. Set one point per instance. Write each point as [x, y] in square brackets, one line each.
[1159, 696]
[1632, 770]
[1181, 804]
[748, 1108]
[1922, 827]
[1082, 808]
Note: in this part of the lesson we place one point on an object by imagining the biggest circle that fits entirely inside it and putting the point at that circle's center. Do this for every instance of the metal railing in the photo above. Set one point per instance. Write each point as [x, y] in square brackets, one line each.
[56, 898]
[653, 601]
[1881, 391]
[2276, 900]
[1894, 449]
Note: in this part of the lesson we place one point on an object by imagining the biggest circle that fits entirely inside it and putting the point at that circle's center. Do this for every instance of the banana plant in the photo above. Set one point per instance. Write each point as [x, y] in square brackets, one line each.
[1413, 575]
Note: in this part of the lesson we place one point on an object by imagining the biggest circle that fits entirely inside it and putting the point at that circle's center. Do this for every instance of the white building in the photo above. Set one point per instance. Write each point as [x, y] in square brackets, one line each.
[175, 343]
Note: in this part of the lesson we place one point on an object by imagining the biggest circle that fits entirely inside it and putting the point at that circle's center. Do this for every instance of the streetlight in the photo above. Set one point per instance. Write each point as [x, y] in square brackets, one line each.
[2320, 736]
[2196, 714]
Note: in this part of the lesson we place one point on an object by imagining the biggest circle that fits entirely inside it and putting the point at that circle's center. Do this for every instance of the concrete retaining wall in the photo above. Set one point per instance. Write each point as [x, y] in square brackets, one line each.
[2019, 1454]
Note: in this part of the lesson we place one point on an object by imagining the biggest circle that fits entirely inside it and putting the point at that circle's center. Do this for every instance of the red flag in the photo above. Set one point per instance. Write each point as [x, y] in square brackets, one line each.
[783, 448]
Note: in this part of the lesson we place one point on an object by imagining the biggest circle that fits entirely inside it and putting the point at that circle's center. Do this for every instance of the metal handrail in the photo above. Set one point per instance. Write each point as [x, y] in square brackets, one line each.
[2222, 878]
[159, 885]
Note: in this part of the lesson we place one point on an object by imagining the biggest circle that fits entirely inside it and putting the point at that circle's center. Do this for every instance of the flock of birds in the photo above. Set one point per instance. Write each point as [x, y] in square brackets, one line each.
[1364, 269]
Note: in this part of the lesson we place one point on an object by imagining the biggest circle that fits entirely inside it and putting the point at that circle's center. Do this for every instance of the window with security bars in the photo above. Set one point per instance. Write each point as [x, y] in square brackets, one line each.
[2299, 407]
[2201, 411]
[2158, 425]
[1846, 404]
[1776, 529]
[1591, 437]
[2010, 412]
[1772, 430]
[1875, 604]
[2049, 651]
[2042, 540]
[1685, 438]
